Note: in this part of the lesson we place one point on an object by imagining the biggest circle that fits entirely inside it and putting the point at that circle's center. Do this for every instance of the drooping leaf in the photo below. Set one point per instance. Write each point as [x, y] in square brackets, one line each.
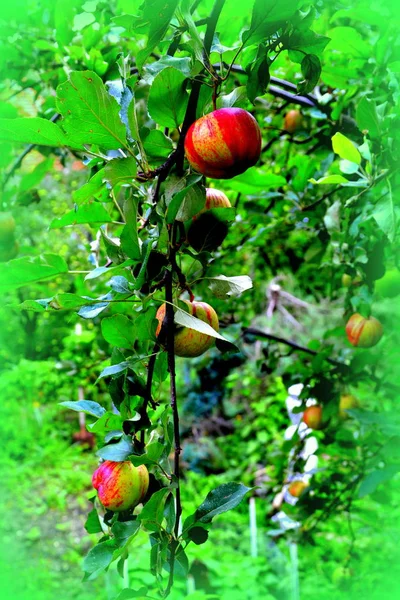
[367, 117]
[168, 98]
[124, 531]
[120, 171]
[99, 558]
[90, 114]
[129, 237]
[93, 524]
[372, 480]
[220, 500]
[107, 422]
[152, 514]
[157, 14]
[183, 318]
[311, 70]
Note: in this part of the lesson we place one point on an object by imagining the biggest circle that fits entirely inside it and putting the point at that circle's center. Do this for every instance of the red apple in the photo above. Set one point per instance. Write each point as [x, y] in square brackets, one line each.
[296, 488]
[363, 332]
[312, 416]
[120, 485]
[224, 143]
[293, 121]
[189, 342]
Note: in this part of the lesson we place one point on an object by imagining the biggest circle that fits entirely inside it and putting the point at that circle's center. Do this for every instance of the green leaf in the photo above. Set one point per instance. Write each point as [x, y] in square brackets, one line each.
[237, 98]
[255, 181]
[156, 14]
[117, 452]
[87, 406]
[183, 318]
[387, 216]
[31, 180]
[329, 179]
[93, 524]
[124, 531]
[372, 480]
[94, 188]
[87, 213]
[303, 42]
[311, 70]
[107, 422]
[120, 171]
[266, 18]
[177, 200]
[119, 331]
[23, 271]
[127, 594]
[90, 114]
[258, 75]
[196, 45]
[129, 237]
[192, 203]
[367, 117]
[32, 131]
[223, 498]
[157, 145]
[222, 286]
[345, 148]
[152, 514]
[99, 558]
[168, 98]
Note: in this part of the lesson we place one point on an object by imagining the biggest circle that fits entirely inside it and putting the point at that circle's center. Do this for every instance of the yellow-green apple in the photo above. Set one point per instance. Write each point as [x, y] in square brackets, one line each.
[346, 402]
[293, 121]
[223, 143]
[312, 416]
[120, 485]
[363, 332]
[189, 342]
[348, 280]
[296, 488]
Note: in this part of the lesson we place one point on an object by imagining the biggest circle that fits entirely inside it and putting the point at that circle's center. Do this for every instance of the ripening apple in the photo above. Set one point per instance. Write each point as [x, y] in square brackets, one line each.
[120, 485]
[347, 402]
[214, 199]
[312, 416]
[223, 143]
[363, 332]
[296, 488]
[293, 121]
[189, 342]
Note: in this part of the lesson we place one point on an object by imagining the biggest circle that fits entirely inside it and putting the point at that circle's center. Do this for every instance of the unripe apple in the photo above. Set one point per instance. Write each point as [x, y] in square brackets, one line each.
[120, 485]
[363, 332]
[348, 280]
[389, 285]
[293, 121]
[347, 401]
[312, 416]
[224, 143]
[189, 342]
[296, 488]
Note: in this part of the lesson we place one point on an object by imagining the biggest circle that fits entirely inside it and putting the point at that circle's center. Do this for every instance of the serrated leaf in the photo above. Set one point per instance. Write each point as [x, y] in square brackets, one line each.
[223, 498]
[119, 331]
[99, 557]
[85, 214]
[157, 145]
[156, 14]
[183, 318]
[107, 422]
[345, 148]
[124, 531]
[94, 188]
[32, 131]
[152, 514]
[168, 98]
[23, 271]
[90, 114]
[222, 286]
[87, 406]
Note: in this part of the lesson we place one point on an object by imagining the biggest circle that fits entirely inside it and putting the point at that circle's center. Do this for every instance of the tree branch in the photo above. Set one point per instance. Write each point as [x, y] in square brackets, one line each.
[275, 338]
